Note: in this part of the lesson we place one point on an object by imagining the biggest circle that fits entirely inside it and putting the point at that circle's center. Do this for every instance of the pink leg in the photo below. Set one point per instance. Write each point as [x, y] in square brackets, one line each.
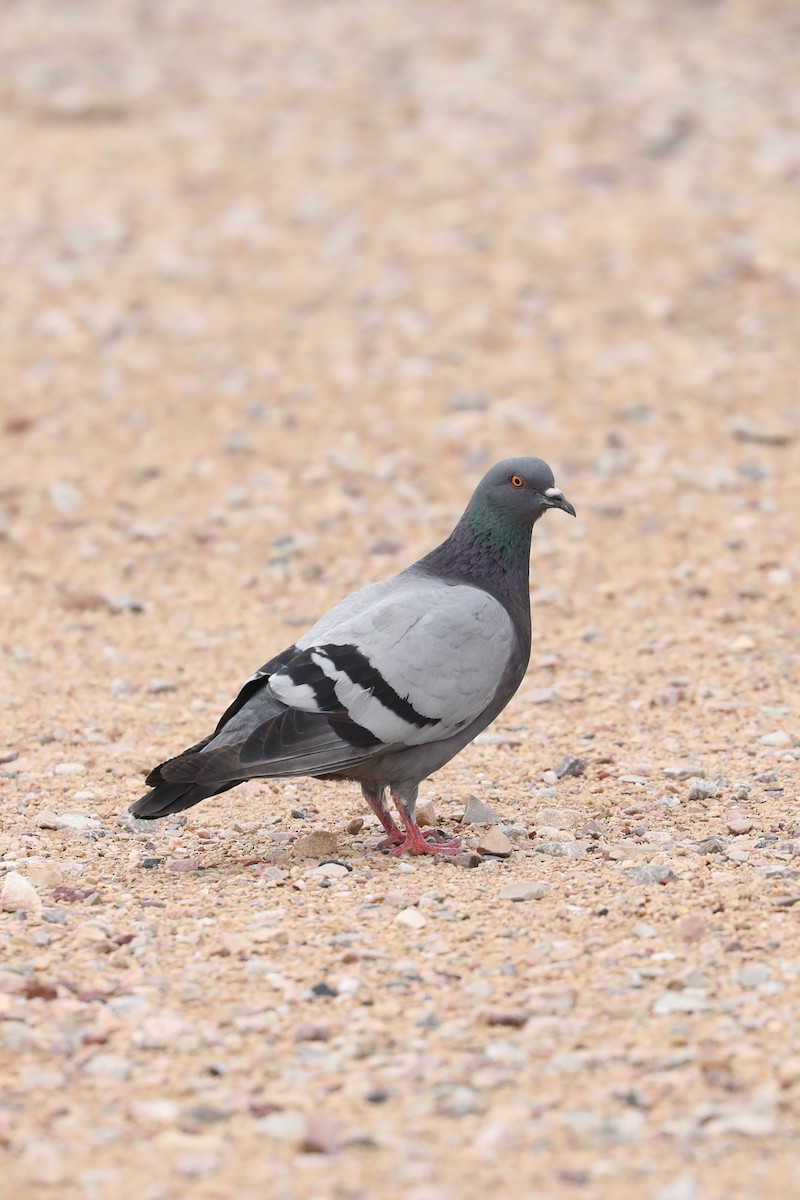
[415, 841]
[375, 799]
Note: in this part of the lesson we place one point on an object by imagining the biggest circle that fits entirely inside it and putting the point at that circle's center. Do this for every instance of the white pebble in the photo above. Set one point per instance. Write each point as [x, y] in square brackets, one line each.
[19, 893]
[411, 918]
[778, 738]
[518, 892]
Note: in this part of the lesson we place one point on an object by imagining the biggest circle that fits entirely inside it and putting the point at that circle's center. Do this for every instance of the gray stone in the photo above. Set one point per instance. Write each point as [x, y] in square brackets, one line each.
[478, 813]
[465, 859]
[570, 764]
[691, 1000]
[457, 1100]
[651, 873]
[712, 845]
[157, 685]
[684, 771]
[560, 849]
[109, 1066]
[701, 789]
[752, 975]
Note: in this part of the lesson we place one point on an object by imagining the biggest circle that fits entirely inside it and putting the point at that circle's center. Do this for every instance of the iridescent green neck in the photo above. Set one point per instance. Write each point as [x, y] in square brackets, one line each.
[489, 548]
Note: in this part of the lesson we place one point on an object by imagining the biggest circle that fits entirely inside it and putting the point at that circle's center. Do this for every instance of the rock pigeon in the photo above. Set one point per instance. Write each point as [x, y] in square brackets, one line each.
[390, 684]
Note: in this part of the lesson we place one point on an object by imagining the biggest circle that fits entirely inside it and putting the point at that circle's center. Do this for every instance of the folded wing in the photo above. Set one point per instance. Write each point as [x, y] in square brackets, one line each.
[399, 664]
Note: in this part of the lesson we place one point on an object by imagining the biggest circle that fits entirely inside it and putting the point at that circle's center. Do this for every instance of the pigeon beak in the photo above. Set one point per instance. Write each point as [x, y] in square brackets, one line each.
[555, 498]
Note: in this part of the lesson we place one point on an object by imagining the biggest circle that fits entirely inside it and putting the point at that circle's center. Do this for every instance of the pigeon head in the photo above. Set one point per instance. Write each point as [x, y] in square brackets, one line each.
[519, 491]
[490, 545]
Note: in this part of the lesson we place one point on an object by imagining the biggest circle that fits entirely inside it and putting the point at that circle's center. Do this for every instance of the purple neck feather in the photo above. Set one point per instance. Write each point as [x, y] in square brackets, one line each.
[491, 551]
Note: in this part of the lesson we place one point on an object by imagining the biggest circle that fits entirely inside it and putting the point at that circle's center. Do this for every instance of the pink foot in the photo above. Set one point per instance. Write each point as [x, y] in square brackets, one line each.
[394, 839]
[416, 843]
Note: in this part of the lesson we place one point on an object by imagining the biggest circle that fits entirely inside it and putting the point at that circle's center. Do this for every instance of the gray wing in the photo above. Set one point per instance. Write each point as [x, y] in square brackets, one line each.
[417, 663]
[403, 663]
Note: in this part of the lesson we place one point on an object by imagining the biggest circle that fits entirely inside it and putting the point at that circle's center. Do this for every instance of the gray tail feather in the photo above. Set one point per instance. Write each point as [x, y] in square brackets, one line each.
[168, 798]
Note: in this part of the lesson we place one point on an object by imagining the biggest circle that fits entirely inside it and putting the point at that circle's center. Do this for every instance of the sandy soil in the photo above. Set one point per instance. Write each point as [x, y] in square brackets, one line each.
[278, 282]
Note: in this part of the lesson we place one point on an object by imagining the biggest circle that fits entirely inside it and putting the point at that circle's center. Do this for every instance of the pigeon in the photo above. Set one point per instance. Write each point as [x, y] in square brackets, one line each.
[395, 680]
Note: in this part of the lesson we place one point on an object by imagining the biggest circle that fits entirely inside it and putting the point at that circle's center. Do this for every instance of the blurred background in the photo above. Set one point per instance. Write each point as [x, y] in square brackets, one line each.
[282, 279]
[278, 281]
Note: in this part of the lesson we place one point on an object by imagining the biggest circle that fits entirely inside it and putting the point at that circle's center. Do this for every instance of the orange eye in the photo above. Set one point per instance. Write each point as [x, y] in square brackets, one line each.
[516, 481]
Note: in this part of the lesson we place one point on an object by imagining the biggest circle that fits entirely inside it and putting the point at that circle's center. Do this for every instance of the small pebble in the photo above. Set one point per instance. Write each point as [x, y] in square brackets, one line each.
[737, 855]
[651, 873]
[513, 1018]
[570, 764]
[159, 1111]
[42, 1163]
[752, 975]
[284, 1126]
[465, 859]
[682, 1188]
[328, 870]
[690, 1000]
[411, 918]
[496, 843]
[457, 1101]
[701, 789]
[789, 1071]
[182, 864]
[109, 1066]
[19, 894]
[778, 738]
[320, 1136]
[478, 813]
[690, 927]
[739, 824]
[311, 1033]
[157, 685]
[560, 818]
[682, 772]
[319, 844]
[560, 849]
[519, 892]
[74, 820]
[426, 813]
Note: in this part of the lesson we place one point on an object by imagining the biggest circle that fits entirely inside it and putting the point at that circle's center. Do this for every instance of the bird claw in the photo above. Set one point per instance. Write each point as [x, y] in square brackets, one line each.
[394, 839]
[436, 842]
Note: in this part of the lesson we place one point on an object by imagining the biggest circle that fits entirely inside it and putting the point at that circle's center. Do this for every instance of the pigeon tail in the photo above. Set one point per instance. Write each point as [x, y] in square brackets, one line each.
[168, 798]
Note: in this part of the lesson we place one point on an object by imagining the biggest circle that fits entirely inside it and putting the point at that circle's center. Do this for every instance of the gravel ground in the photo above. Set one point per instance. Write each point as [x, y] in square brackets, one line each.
[278, 282]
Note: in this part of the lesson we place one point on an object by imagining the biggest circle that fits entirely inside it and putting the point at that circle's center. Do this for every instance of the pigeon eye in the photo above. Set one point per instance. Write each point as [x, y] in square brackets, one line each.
[517, 481]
